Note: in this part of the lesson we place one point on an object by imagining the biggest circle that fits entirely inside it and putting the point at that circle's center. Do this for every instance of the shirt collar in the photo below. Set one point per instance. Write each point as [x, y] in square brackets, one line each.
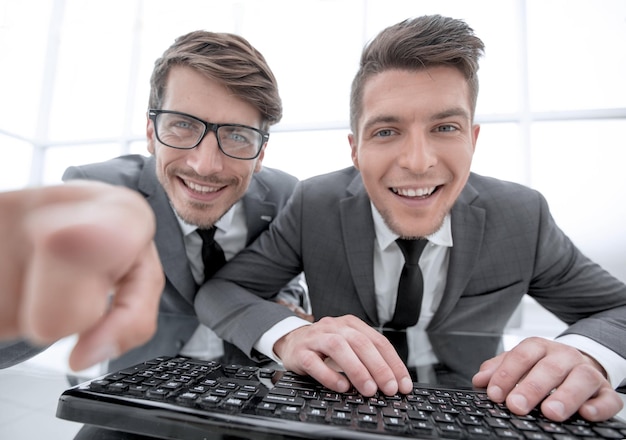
[385, 236]
[223, 224]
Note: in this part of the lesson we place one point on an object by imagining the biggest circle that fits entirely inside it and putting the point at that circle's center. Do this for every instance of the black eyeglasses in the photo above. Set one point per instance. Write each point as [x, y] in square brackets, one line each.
[183, 131]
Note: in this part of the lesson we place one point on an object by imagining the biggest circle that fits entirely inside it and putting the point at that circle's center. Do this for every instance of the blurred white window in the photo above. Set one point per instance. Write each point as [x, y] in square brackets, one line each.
[75, 74]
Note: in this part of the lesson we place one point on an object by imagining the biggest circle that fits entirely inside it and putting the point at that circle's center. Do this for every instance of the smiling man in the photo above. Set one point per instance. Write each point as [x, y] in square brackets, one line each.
[212, 101]
[487, 244]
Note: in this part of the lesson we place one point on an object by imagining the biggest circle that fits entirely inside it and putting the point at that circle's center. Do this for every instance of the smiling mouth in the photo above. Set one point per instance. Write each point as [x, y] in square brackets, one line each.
[415, 192]
[200, 188]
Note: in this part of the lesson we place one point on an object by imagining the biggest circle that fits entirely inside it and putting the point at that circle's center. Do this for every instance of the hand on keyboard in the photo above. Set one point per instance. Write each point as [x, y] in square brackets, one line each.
[349, 345]
[536, 368]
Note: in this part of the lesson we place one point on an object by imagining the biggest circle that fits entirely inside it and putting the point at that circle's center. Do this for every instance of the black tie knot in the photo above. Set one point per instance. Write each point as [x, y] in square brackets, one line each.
[207, 235]
[412, 250]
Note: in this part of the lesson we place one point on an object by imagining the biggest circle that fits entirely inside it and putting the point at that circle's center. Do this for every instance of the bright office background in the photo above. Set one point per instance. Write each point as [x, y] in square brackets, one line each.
[74, 88]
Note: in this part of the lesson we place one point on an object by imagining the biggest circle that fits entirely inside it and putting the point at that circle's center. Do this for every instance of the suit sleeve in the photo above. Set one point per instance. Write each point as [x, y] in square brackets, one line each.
[577, 290]
[15, 352]
[73, 173]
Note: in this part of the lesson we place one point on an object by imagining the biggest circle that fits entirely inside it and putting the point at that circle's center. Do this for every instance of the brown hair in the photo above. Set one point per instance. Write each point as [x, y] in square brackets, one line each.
[227, 58]
[419, 43]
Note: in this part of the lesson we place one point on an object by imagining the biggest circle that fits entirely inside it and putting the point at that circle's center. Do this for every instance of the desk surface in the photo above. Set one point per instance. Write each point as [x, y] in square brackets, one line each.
[29, 394]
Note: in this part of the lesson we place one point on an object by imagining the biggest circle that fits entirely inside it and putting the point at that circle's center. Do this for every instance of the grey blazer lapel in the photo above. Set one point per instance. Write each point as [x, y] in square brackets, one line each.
[468, 226]
[357, 227]
[169, 244]
[259, 211]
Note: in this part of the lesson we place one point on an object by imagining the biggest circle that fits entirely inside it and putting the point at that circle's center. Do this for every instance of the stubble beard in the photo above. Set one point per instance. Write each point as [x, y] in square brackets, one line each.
[394, 227]
[192, 212]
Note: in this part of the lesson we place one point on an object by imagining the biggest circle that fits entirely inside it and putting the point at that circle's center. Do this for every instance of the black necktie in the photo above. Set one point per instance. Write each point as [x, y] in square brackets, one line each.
[212, 253]
[409, 299]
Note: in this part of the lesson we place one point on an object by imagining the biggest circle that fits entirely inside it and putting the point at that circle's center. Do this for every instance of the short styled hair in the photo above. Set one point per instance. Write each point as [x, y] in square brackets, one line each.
[227, 58]
[415, 44]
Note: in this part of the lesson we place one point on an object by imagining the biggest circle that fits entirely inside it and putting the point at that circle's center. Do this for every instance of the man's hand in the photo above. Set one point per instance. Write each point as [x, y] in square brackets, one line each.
[79, 258]
[561, 378]
[345, 344]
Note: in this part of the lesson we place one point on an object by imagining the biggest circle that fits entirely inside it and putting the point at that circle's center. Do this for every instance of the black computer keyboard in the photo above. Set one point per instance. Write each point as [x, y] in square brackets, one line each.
[184, 398]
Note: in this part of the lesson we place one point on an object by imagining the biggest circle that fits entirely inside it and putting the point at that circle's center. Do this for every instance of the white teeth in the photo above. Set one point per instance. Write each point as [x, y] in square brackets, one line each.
[200, 188]
[414, 192]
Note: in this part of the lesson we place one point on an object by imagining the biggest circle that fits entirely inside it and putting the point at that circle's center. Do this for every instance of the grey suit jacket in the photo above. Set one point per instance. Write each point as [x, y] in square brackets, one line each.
[267, 194]
[506, 244]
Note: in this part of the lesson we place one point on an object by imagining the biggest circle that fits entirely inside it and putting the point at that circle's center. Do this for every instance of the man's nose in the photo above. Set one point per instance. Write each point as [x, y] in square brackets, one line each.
[417, 154]
[206, 158]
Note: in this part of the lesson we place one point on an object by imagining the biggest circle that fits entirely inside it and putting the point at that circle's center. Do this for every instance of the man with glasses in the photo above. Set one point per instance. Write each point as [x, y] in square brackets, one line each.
[212, 100]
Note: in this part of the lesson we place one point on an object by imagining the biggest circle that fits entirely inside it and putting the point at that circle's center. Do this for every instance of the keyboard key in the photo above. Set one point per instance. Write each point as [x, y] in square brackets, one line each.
[367, 420]
[367, 409]
[394, 423]
[315, 414]
[291, 412]
[341, 417]
[273, 398]
[266, 408]
[210, 401]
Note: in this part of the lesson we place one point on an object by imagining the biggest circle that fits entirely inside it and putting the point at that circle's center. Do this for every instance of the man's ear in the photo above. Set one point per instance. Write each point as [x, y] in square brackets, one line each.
[259, 160]
[150, 136]
[354, 146]
[475, 132]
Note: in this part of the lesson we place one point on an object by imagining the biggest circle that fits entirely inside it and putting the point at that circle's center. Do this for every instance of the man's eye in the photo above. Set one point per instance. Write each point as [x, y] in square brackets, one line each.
[238, 137]
[384, 133]
[446, 128]
[182, 124]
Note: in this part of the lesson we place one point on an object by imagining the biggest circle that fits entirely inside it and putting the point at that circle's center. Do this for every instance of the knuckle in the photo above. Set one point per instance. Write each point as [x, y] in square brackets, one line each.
[351, 319]
[555, 369]
[334, 343]
[359, 377]
[534, 389]
[325, 321]
[358, 340]
[307, 360]
[504, 375]
[380, 341]
[382, 371]
[521, 356]
[590, 375]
